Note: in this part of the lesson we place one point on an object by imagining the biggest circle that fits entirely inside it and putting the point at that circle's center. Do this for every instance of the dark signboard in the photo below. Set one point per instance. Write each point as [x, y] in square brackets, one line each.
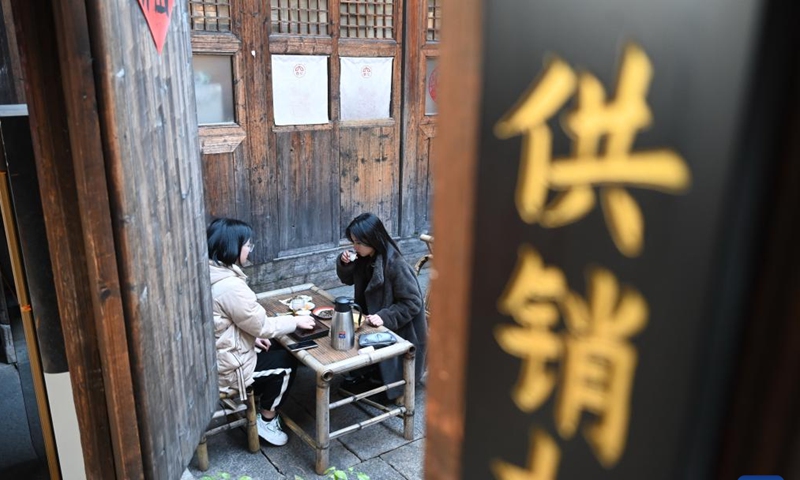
[609, 148]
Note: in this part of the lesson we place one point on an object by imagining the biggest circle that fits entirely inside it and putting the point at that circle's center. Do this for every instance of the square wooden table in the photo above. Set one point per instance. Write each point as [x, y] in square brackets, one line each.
[327, 363]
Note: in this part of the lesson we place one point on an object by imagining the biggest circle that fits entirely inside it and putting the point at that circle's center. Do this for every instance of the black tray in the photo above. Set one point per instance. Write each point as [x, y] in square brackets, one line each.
[320, 330]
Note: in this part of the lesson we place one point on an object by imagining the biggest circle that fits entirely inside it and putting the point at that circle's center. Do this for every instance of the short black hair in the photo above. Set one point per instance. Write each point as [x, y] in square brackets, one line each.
[369, 230]
[226, 237]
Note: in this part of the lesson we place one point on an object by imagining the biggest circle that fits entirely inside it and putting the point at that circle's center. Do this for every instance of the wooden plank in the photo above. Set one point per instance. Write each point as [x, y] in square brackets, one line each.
[309, 202]
[221, 139]
[368, 176]
[260, 145]
[296, 45]
[215, 42]
[412, 103]
[453, 221]
[352, 47]
[153, 167]
[49, 130]
[12, 86]
[412, 206]
[219, 183]
[423, 185]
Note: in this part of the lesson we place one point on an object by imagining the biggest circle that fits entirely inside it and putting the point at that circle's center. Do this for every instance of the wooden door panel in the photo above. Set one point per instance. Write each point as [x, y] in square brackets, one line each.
[307, 202]
[369, 174]
[423, 186]
[219, 182]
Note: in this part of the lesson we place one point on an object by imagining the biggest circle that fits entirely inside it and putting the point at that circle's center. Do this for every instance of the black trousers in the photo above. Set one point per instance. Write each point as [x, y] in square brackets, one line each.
[274, 376]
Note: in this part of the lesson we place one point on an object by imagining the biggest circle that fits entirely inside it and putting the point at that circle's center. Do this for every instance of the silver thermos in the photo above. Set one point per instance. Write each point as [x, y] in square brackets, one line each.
[343, 331]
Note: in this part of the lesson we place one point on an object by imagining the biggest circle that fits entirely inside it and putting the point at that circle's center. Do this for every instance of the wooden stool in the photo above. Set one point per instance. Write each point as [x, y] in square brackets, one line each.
[231, 409]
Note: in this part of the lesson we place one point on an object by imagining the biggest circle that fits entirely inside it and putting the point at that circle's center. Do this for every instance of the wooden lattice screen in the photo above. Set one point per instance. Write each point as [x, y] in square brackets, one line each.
[434, 20]
[366, 18]
[300, 17]
[210, 15]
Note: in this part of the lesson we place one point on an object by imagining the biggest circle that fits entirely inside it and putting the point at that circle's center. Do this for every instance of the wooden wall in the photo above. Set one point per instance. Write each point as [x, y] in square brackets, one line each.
[299, 186]
[115, 137]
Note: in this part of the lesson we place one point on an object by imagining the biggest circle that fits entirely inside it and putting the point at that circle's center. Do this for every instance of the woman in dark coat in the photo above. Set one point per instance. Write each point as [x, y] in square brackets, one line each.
[387, 290]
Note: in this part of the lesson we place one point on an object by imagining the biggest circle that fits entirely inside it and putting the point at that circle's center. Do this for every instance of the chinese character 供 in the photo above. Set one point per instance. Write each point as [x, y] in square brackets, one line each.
[612, 167]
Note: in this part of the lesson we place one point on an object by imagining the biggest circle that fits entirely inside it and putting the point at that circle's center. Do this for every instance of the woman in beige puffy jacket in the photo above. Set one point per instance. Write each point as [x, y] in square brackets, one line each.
[241, 326]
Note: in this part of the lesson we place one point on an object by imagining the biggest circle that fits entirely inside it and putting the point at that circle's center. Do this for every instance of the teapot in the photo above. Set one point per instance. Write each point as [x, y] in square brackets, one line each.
[343, 332]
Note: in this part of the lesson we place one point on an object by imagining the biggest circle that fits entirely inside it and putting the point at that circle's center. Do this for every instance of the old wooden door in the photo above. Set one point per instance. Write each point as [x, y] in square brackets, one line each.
[420, 109]
[327, 173]
[299, 176]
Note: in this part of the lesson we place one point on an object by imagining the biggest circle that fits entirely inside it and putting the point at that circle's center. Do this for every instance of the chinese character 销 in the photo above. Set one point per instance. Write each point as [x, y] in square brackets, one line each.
[611, 168]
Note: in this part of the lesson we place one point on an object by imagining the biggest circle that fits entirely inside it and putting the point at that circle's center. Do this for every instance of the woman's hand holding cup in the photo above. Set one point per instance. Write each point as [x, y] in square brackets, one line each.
[348, 256]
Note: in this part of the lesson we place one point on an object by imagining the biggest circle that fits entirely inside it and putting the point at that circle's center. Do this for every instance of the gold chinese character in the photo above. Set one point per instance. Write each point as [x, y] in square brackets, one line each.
[529, 298]
[543, 459]
[610, 168]
[599, 363]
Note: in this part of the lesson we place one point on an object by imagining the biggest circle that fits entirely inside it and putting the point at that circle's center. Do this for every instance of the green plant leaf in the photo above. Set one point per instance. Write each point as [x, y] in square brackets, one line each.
[225, 476]
[245, 477]
[297, 477]
[340, 475]
[329, 471]
[206, 477]
[362, 476]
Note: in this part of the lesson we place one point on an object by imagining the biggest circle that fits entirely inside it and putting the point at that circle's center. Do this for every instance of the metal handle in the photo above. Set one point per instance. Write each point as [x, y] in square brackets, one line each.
[360, 314]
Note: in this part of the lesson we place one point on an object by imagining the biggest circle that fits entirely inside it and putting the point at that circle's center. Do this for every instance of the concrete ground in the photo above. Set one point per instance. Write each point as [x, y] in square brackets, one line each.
[379, 451]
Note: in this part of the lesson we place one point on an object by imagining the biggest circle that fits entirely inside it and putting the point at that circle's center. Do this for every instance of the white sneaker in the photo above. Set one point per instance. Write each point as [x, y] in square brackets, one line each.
[271, 431]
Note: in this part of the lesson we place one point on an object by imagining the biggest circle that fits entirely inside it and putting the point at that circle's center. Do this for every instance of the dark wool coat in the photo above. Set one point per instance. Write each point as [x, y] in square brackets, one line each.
[389, 288]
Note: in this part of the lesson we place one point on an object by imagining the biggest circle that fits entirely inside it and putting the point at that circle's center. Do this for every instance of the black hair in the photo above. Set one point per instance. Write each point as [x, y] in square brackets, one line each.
[226, 237]
[368, 229]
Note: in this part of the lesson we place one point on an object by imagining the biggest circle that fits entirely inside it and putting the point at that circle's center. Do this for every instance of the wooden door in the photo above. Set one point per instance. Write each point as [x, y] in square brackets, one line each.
[117, 161]
[300, 184]
[330, 172]
[420, 110]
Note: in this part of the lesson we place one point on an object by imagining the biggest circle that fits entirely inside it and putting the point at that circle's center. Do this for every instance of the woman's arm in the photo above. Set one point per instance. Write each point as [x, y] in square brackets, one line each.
[345, 271]
[242, 307]
[406, 296]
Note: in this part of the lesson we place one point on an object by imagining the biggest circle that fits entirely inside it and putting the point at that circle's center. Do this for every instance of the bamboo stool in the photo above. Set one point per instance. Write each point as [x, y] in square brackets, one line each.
[231, 409]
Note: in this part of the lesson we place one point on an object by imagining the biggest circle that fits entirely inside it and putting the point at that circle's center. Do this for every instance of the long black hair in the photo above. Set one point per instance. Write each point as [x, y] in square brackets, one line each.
[368, 229]
[226, 237]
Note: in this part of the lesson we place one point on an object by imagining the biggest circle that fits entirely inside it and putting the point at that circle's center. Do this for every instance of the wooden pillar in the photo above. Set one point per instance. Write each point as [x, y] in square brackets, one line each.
[588, 325]
[115, 136]
[454, 217]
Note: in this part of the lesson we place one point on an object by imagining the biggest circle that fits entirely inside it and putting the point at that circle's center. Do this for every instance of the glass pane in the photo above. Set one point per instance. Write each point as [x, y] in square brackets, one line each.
[366, 18]
[213, 88]
[300, 17]
[431, 86]
[210, 15]
[434, 20]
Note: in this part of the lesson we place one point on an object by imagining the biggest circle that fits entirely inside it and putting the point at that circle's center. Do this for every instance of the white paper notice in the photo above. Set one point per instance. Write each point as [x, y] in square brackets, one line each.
[366, 87]
[300, 89]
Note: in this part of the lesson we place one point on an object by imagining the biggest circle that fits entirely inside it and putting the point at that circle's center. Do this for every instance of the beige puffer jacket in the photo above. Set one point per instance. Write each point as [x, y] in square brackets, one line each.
[238, 320]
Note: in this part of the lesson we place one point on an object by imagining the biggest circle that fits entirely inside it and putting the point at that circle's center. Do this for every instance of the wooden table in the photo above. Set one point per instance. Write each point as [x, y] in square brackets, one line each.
[327, 362]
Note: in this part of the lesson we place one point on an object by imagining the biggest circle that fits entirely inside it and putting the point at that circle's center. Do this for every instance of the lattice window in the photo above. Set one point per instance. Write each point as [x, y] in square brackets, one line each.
[366, 18]
[300, 17]
[434, 20]
[210, 15]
